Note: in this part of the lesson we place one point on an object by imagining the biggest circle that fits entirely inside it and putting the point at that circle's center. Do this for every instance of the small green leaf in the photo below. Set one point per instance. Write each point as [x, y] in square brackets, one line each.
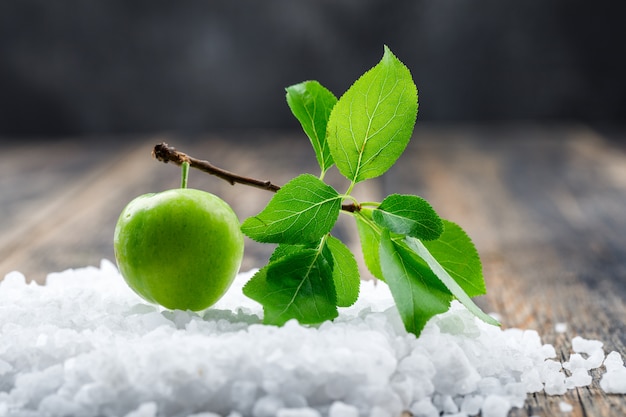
[418, 247]
[311, 103]
[302, 211]
[296, 286]
[345, 272]
[409, 215]
[372, 122]
[414, 287]
[370, 243]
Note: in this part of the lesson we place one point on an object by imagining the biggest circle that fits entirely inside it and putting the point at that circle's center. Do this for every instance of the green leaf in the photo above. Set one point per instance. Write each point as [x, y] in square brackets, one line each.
[456, 253]
[414, 287]
[370, 243]
[311, 103]
[420, 249]
[302, 211]
[345, 272]
[371, 124]
[296, 286]
[285, 249]
[408, 215]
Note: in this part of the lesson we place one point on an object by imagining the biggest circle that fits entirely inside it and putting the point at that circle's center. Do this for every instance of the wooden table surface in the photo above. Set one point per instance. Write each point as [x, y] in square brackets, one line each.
[546, 207]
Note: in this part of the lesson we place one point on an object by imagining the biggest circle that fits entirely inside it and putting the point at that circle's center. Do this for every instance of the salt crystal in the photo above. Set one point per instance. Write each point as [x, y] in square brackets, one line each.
[612, 361]
[565, 407]
[560, 327]
[461, 377]
[380, 412]
[588, 346]
[549, 368]
[614, 381]
[267, 406]
[340, 409]
[555, 384]
[532, 381]
[548, 351]
[244, 395]
[445, 403]
[13, 280]
[576, 361]
[298, 412]
[495, 406]
[424, 408]
[471, 404]
[595, 359]
[148, 409]
[5, 367]
[579, 378]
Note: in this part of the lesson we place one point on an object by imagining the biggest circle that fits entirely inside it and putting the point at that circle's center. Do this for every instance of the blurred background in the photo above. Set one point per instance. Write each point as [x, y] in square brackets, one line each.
[76, 68]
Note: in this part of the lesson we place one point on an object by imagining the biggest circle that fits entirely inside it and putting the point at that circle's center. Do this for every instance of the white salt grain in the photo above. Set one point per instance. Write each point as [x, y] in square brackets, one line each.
[145, 410]
[579, 378]
[588, 346]
[85, 344]
[595, 359]
[612, 361]
[565, 407]
[560, 327]
[496, 406]
[298, 412]
[340, 409]
[471, 404]
[424, 408]
[614, 381]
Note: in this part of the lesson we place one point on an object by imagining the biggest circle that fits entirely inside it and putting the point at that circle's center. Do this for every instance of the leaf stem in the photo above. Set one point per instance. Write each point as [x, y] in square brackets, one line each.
[349, 190]
[370, 204]
[166, 153]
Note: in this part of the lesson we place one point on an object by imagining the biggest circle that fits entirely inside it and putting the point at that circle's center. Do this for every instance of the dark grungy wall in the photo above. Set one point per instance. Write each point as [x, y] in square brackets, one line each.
[118, 66]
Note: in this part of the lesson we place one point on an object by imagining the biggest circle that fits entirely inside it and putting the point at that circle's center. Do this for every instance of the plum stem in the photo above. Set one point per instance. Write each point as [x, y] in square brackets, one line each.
[185, 174]
[166, 153]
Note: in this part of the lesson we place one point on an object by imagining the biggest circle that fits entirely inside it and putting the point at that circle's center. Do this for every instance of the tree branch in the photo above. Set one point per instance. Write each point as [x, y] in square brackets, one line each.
[166, 153]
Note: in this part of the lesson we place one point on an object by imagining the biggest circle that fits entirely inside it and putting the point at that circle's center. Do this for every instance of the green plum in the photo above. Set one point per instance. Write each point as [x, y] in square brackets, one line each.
[180, 248]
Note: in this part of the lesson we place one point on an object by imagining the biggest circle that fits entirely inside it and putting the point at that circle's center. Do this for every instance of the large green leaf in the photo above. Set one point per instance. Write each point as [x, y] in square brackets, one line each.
[409, 215]
[372, 122]
[456, 253]
[345, 272]
[370, 243]
[453, 286]
[302, 211]
[296, 286]
[413, 285]
[312, 103]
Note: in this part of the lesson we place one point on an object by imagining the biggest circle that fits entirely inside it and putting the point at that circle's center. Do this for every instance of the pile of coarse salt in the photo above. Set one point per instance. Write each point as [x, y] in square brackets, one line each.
[85, 345]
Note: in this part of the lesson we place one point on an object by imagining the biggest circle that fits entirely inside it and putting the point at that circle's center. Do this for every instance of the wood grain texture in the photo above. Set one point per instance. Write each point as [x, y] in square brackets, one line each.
[546, 208]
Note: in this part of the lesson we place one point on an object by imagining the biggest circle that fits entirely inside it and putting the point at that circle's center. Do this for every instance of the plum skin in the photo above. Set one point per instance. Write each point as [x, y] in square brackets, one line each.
[180, 248]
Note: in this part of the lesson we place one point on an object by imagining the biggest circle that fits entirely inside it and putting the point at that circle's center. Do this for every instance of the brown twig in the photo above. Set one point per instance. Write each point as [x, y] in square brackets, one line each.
[166, 153]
